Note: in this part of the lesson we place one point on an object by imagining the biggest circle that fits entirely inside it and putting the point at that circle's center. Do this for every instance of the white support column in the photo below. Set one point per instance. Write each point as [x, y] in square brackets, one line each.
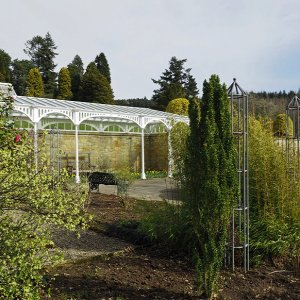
[143, 174]
[77, 177]
[170, 155]
[35, 145]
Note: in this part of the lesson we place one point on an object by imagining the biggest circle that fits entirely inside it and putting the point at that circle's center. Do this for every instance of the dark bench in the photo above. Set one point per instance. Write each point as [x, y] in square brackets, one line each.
[97, 178]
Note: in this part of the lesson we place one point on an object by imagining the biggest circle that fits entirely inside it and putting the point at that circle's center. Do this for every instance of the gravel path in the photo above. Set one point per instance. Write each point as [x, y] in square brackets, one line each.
[89, 244]
[93, 243]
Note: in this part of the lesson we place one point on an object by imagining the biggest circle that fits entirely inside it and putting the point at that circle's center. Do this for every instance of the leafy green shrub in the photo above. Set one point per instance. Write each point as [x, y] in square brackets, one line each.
[280, 126]
[273, 238]
[274, 195]
[179, 106]
[124, 179]
[179, 135]
[156, 174]
[32, 203]
[150, 174]
[272, 192]
[170, 225]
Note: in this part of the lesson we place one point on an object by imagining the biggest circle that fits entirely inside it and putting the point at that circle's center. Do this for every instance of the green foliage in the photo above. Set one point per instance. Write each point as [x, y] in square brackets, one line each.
[175, 82]
[32, 204]
[2, 78]
[179, 106]
[95, 87]
[274, 195]
[137, 102]
[34, 85]
[263, 104]
[41, 51]
[270, 189]
[275, 238]
[191, 86]
[5, 62]
[76, 72]
[103, 66]
[19, 74]
[280, 126]
[192, 160]
[155, 174]
[206, 164]
[169, 224]
[150, 174]
[210, 200]
[179, 135]
[124, 179]
[64, 84]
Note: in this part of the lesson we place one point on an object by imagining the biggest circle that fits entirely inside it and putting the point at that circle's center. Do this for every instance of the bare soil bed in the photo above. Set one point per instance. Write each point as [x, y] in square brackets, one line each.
[110, 264]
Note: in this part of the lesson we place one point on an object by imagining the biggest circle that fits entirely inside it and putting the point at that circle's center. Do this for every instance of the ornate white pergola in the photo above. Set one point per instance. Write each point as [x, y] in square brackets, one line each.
[37, 110]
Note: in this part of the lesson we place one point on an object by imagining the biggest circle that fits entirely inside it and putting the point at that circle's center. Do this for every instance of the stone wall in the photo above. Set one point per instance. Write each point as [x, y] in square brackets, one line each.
[110, 150]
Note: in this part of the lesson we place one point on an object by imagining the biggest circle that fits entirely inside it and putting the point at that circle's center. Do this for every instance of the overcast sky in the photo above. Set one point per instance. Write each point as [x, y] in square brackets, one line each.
[256, 41]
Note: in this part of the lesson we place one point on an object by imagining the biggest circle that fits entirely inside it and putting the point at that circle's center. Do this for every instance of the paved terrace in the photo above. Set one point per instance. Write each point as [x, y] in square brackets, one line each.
[148, 189]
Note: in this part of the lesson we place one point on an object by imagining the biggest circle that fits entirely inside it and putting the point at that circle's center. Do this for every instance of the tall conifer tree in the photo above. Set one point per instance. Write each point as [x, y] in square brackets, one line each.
[175, 82]
[103, 66]
[211, 180]
[42, 51]
[76, 72]
[95, 87]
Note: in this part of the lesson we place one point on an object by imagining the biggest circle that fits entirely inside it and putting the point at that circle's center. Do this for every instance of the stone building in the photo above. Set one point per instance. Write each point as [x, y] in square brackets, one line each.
[83, 136]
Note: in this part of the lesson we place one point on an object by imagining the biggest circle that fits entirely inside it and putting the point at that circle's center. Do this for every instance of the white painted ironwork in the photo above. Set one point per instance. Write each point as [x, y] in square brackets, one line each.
[35, 132]
[78, 112]
[100, 117]
[170, 156]
[143, 174]
[77, 177]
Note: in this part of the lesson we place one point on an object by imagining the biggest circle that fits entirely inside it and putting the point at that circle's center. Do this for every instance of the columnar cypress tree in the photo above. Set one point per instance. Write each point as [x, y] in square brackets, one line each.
[34, 86]
[211, 180]
[192, 162]
[64, 84]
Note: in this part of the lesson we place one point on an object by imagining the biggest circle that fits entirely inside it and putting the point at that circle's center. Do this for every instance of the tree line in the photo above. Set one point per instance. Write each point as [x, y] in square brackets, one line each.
[36, 76]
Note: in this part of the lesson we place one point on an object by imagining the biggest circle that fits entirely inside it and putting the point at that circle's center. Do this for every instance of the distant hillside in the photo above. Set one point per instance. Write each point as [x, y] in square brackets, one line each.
[268, 104]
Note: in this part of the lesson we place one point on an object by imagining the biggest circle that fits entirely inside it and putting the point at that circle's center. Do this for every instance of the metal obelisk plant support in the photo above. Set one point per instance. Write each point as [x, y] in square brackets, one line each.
[238, 241]
[293, 136]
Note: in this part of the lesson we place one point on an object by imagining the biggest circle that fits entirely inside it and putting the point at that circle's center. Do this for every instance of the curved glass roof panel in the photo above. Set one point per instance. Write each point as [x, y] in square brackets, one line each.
[46, 107]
